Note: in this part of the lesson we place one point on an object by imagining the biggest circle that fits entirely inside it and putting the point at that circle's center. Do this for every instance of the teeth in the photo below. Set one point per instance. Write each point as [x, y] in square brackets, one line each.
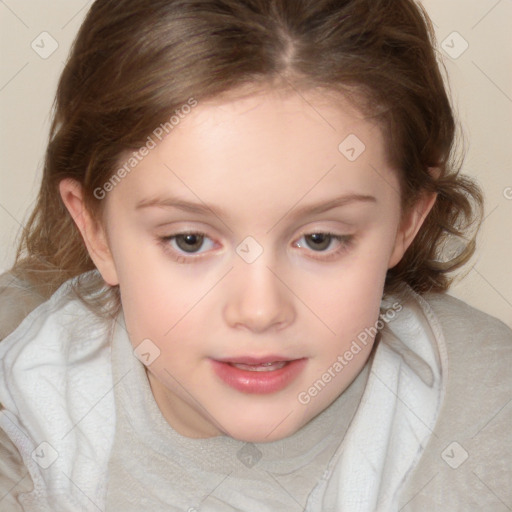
[263, 367]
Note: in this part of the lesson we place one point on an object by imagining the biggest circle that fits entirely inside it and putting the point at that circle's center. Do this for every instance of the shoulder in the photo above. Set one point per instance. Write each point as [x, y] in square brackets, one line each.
[14, 477]
[17, 300]
[479, 350]
[471, 446]
[59, 343]
[458, 316]
[475, 341]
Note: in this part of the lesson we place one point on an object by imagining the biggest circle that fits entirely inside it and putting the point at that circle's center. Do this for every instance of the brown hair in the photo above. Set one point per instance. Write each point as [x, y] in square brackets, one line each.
[135, 62]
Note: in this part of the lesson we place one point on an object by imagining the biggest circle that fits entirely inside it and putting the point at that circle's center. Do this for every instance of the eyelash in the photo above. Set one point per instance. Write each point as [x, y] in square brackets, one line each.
[345, 241]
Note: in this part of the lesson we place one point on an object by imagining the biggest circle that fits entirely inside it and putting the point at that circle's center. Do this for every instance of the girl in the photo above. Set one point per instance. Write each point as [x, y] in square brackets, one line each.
[235, 269]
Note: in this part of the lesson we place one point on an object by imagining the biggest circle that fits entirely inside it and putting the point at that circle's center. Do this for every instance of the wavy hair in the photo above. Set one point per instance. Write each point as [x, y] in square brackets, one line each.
[135, 62]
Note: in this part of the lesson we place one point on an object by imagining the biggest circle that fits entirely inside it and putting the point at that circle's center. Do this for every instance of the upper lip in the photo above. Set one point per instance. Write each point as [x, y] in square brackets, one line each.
[256, 360]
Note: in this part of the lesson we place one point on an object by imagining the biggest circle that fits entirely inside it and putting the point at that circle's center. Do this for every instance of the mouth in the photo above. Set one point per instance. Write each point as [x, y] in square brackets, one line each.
[261, 367]
[258, 375]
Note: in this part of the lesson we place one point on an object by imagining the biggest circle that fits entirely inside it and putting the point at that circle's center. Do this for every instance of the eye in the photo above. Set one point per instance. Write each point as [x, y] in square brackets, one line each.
[320, 242]
[183, 247]
[186, 243]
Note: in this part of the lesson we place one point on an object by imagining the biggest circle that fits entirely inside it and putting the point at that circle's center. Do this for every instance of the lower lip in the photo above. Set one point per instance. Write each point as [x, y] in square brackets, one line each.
[262, 382]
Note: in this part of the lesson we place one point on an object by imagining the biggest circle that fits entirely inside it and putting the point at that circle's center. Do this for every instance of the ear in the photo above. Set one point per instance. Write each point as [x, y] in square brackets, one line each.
[92, 231]
[410, 225]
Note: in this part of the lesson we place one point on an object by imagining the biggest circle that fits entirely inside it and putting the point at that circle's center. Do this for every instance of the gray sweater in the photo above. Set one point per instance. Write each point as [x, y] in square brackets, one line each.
[466, 466]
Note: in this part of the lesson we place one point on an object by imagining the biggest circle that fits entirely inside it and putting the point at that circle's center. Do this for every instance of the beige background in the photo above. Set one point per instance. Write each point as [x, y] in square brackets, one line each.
[481, 84]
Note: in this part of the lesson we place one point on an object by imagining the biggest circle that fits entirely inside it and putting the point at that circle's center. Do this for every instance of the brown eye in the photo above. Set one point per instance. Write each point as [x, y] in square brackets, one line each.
[187, 247]
[318, 241]
[189, 242]
[325, 246]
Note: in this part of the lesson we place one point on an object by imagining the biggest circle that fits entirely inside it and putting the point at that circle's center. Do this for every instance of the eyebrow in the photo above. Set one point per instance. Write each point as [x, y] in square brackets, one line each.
[203, 208]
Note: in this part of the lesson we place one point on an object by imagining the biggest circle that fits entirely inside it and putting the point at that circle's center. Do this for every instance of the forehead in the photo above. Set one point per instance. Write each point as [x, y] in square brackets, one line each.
[253, 144]
[321, 115]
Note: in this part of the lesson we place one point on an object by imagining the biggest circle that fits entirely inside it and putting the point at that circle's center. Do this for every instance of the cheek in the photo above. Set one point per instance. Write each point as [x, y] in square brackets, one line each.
[154, 296]
[347, 299]
[155, 307]
[347, 311]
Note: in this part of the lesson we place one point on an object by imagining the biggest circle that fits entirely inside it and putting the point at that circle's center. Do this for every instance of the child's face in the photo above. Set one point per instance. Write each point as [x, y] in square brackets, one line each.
[257, 162]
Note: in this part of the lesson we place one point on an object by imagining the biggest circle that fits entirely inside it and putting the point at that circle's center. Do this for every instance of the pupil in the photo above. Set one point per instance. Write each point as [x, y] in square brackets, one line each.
[320, 239]
[189, 243]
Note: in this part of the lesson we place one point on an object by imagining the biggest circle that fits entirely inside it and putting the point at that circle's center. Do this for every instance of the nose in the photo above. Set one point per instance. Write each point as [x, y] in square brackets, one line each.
[258, 300]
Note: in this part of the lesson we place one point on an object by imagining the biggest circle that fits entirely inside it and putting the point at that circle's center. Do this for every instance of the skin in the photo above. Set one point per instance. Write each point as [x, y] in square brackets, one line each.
[259, 159]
